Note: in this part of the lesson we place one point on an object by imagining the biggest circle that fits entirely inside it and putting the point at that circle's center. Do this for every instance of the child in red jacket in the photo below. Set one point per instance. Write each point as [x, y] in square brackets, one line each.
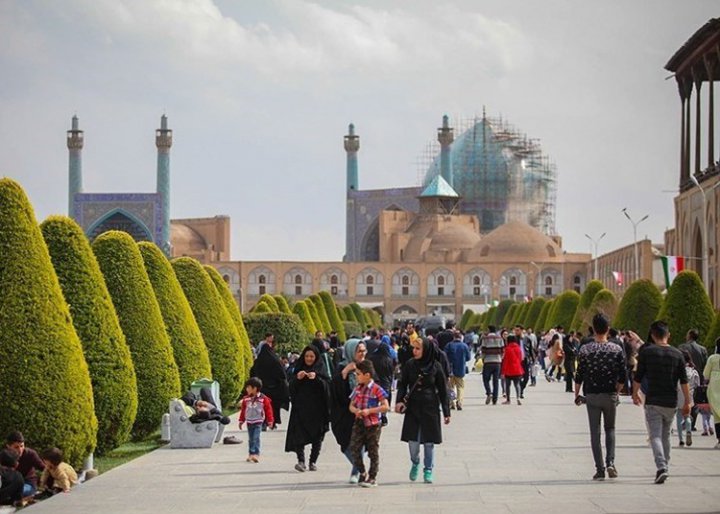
[255, 410]
[512, 368]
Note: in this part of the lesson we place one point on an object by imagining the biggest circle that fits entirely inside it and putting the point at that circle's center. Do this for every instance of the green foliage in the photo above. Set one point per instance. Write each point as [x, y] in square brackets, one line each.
[341, 313]
[234, 310]
[543, 318]
[301, 309]
[332, 314]
[475, 322]
[270, 301]
[521, 313]
[367, 318]
[687, 306]
[490, 317]
[325, 325]
[502, 309]
[605, 303]
[189, 349]
[107, 355]
[282, 304]
[313, 314]
[218, 330]
[290, 334]
[466, 316]
[533, 313]
[352, 328]
[376, 318]
[639, 307]
[564, 307]
[137, 308]
[507, 321]
[44, 379]
[349, 314]
[359, 315]
[593, 288]
[713, 334]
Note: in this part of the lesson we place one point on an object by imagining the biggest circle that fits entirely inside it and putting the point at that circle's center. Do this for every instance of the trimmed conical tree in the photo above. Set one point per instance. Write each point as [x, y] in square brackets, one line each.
[44, 379]
[359, 315]
[687, 306]
[341, 313]
[234, 310]
[107, 355]
[507, 321]
[474, 323]
[593, 288]
[533, 313]
[322, 313]
[313, 314]
[270, 301]
[368, 319]
[563, 310]
[301, 309]
[189, 349]
[521, 313]
[502, 309]
[289, 332]
[639, 307]
[465, 319]
[141, 321]
[282, 304]
[605, 303]
[542, 319]
[713, 334]
[219, 332]
[333, 317]
[261, 308]
[490, 318]
[349, 314]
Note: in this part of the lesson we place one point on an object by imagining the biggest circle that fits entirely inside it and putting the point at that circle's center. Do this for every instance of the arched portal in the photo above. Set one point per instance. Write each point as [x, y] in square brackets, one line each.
[120, 219]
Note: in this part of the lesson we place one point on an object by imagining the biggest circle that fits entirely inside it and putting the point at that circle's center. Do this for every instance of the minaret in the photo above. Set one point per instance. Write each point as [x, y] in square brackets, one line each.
[163, 141]
[75, 140]
[446, 137]
[352, 145]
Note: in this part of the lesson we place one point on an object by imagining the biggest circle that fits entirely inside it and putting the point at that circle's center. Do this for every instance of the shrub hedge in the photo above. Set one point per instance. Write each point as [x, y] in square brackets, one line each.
[282, 304]
[322, 313]
[490, 317]
[639, 307]
[533, 313]
[543, 318]
[44, 379]
[270, 301]
[593, 288]
[520, 313]
[290, 334]
[605, 303]
[107, 355]
[261, 308]
[352, 328]
[332, 314]
[157, 374]
[475, 322]
[359, 315]
[465, 318]
[687, 306]
[502, 309]
[713, 334]
[219, 332]
[349, 314]
[313, 314]
[507, 321]
[341, 313]
[563, 310]
[301, 309]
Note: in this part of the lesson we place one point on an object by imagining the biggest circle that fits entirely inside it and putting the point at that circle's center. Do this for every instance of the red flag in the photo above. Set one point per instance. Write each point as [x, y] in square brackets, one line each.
[618, 277]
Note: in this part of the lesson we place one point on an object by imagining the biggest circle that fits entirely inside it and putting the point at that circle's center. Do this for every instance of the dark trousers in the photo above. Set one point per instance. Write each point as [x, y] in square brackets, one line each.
[516, 382]
[526, 375]
[369, 438]
[602, 406]
[315, 448]
[569, 378]
[491, 371]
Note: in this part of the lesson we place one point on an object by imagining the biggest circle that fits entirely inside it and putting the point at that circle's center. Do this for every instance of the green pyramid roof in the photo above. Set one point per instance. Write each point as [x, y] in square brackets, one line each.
[439, 187]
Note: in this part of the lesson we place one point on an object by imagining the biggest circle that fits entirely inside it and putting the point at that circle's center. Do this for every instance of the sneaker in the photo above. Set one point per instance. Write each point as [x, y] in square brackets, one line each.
[414, 470]
[362, 478]
[688, 438]
[369, 483]
[488, 399]
[459, 407]
[428, 476]
[682, 443]
[711, 430]
[312, 467]
[255, 458]
[519, 402]
[705, 432]
[661, 476]
[599, 475]
[612, 471]
[354, 478]
[249, 459]
[300, 466]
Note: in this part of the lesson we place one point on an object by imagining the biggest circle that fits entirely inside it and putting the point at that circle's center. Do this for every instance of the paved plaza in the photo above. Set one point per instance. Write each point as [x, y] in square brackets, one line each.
[496, 459]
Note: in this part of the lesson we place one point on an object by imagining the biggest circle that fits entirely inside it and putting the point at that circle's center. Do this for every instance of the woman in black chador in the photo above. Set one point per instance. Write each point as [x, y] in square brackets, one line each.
[310, 414]
[269, 369]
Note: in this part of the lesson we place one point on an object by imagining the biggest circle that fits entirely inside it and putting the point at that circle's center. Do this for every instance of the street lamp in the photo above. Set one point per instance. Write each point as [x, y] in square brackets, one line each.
[635, 225]
[595, 243]
[539, 279]
[705, 272]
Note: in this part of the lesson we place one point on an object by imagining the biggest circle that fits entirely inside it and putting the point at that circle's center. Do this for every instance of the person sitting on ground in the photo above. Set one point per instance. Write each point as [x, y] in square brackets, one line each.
[11, 481]
[28, 462]
[58, 476]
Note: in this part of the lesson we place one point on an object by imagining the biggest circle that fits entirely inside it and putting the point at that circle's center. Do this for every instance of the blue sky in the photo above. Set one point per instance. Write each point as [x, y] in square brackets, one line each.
[259, 95]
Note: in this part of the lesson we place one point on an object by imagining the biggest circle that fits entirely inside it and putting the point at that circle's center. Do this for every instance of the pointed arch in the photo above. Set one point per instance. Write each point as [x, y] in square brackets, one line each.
[405, 283]
[123, 220]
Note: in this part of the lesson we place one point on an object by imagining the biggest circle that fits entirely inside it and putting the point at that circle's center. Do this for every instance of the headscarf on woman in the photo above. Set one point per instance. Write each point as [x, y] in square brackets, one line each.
[429, 355]
[269, 369]
[317, 366]
[349, 350]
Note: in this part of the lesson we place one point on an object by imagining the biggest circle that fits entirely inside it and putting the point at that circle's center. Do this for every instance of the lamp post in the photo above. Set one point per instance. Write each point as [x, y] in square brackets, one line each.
[539, 277]
[595, 243]
[635, 225]
[705, 263]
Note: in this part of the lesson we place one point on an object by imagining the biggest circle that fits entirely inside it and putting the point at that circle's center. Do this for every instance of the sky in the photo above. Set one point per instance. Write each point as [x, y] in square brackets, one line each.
[260, 94]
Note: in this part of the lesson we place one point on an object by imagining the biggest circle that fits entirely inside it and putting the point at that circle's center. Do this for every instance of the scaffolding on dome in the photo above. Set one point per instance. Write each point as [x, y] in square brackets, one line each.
[500, 172]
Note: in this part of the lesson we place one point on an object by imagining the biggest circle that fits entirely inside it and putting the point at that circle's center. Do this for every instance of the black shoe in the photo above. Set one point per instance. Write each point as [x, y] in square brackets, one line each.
[225, 420]
[312, 467]
[459, 407]
[231, 439]
[599, 475]
[661, 476]
[611, 471]
[362, 479]
[300, 466]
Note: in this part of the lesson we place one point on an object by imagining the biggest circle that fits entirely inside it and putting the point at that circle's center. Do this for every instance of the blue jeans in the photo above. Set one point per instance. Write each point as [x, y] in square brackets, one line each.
[659, 419]
[491, 370]
[254, 438]
[428, 454]
[348, 456]
[28, 490]
[683, 424]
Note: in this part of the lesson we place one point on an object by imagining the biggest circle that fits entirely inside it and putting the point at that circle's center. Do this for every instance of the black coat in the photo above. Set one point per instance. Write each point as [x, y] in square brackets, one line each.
[422, 410]
[341, 419]
[269, 369]
[384, 367]
[310, 414]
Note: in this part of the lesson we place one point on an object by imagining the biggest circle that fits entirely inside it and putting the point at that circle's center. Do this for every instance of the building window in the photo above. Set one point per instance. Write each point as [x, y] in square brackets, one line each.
[261, 289]
[576, 280]
[262, 280]
[548, 281]
[298, 279]
[441, 291]
[476, 291]
[577, 289]
[476, 280]
[226, 278]
[441, 280]
[298, 290]
[370, 279]
[334, 279]
[513, 281]
[334, 290]
[405, 280]
[548, 291]
[405, 290]
[370, 290]
[512, 290]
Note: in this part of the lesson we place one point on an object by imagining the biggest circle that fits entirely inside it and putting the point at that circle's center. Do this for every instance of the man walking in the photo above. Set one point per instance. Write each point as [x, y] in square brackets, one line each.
[458, 353]
[601, 373]
[492, 349]
[699, 356]
[662, 367]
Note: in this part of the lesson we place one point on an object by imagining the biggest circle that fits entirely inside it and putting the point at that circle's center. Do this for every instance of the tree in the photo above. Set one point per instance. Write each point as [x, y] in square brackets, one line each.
[541, 325]
[42, 367]
[502, 309]
[189, 349]
[367, 318]
[713, 334]
[490, 318]
[593, 287]
[603, 303]
[322, 313]
[349, 313]
[352, 329]
[521, 313]
[290, 334]
[341, 313]
[359, 315]
[465, 319]
[507, 321]
[282, 304]
[107, 355]
[270, 301]
[301, 309]
[639, 307]
[687, 306]
[533, 313]
[475, 322]
[158, 379]
[332, 313]
[219, 332]
[234, 310]
[563, 310]
[261, 307]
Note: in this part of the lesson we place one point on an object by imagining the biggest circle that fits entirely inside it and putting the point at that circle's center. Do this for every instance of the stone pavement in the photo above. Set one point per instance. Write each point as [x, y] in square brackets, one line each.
[505, 458]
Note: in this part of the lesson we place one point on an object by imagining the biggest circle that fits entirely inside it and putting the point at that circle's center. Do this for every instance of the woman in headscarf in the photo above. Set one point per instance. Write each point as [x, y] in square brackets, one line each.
[269, 369]
[343, 384]
[384, 365]
[310, 414]
[712, 375]
[422, 392]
